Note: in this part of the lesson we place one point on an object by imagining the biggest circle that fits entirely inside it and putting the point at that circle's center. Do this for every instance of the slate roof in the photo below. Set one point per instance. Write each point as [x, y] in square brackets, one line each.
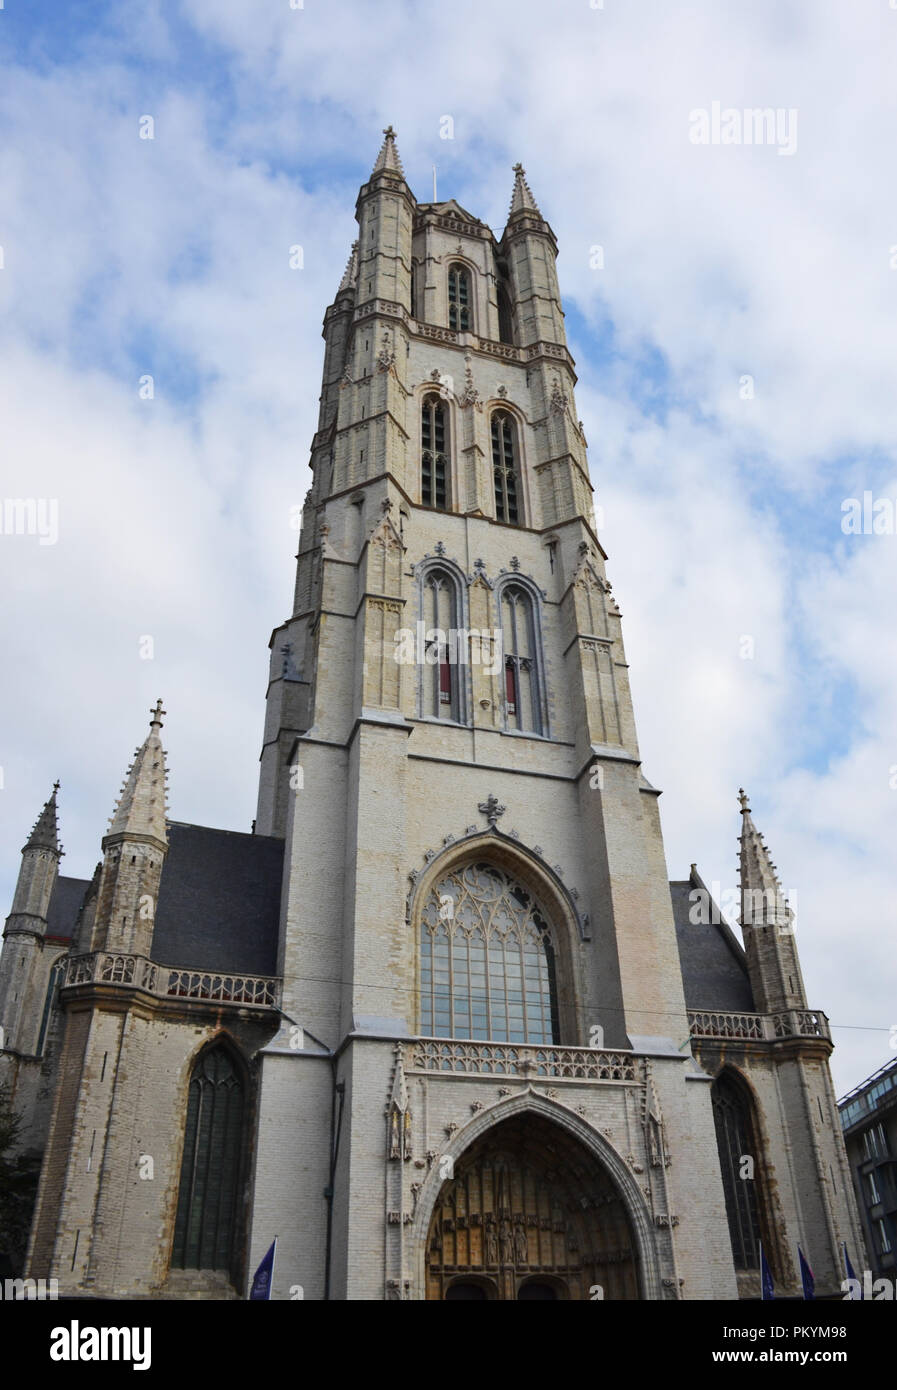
[714, 966]
[219, 900]
[65, 904]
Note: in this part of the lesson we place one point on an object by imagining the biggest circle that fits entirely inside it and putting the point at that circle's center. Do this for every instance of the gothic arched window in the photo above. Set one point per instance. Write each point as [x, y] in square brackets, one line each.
[57, 975]
[523, 700]
[434, 490]
[735, 1141]
[504, 465]
[487, 966]
[206, 1225]
[459, 297]
[442, 669]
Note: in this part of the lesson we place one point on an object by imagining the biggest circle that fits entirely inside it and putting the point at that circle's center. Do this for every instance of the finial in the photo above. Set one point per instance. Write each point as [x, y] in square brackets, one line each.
[388, 159]
[56, 785]
[157, 712]
[522, 199]
[742, 797]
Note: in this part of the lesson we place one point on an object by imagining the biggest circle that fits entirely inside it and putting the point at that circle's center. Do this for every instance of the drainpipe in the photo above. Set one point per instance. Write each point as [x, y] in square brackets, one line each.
[336, 1125]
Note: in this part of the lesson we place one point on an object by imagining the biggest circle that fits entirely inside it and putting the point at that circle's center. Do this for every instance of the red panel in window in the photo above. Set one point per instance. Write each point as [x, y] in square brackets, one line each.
[445, 683]
[511, 688]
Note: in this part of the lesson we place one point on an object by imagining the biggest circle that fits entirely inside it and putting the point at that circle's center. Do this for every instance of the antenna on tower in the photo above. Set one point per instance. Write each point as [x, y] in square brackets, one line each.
[434, 183]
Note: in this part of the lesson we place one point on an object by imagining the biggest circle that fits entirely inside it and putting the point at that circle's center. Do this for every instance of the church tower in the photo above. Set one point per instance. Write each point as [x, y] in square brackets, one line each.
[483, 1086]
[440, 1023]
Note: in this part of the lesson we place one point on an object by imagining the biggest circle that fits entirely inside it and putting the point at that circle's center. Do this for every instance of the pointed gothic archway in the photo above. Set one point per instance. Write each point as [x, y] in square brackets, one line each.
[530, 1214]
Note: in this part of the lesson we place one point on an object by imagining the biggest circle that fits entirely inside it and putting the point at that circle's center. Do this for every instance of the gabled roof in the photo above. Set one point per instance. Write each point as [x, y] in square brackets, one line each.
[451, 208]
[219, 900]
[65, 904]
[714, 965]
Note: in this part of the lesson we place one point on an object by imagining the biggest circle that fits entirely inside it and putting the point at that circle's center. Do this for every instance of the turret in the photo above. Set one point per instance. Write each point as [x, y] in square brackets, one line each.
[26, 927]
[767, 924]
[133, 852]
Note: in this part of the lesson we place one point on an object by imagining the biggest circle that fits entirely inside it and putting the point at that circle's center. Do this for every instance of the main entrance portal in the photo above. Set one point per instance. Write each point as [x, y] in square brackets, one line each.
[530, 1214]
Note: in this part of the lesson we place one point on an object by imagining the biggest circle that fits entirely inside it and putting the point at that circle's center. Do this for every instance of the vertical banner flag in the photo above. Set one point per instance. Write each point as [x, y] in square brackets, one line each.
[851, 1274]
[806, 1275]
[766, 1284]
[264, 1276]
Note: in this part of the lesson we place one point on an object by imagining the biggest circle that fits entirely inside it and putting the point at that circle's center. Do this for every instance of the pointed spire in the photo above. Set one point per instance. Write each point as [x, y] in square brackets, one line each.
[522, 199]
[141, 808]
[388, 158]
[45, 832]
[762, 900]
[350, 274]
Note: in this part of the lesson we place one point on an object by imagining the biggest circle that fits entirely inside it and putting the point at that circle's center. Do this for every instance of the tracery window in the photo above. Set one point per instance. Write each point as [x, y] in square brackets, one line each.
[487, 966]
[459, 297]
[523, 704]
[504, 465]
[441, 671]
[434, 453]
[735, 1140]
[57, 975]
[205, 1230]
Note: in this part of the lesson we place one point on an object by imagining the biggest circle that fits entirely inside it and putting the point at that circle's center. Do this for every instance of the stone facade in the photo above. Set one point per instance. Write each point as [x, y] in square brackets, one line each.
[450, 482]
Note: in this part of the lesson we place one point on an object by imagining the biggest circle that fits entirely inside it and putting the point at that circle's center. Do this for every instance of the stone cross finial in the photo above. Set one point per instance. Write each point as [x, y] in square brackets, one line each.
[156, 721]
[491, 809]
[389, 133]
[742, 797]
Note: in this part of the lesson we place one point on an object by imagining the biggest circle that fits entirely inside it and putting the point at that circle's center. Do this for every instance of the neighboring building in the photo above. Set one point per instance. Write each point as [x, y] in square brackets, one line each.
[430, 1022]
[869, 1122]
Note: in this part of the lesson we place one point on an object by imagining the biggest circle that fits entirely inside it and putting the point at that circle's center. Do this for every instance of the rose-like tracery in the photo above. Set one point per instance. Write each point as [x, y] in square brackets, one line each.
[487, 960]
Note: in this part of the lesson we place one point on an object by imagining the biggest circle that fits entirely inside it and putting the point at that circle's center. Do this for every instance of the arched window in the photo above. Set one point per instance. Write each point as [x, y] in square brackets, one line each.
[735, 1141]
[487, 967]
[442, 669]
[206, 1225]
[523, 694]
[459, 297]
[504, 465]
[414, 290]
[434, 491]
[57, 975]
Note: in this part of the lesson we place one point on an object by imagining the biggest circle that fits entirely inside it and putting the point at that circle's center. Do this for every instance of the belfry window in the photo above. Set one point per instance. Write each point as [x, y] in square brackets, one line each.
[434, 490]
[441, 692]
[504, 465]
[206, 1225]
[459, 297]
[523, 704]
[487, 960]
[735, 1141]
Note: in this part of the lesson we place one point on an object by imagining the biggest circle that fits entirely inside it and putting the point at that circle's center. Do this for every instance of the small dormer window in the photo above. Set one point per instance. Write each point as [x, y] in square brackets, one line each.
[459, 297]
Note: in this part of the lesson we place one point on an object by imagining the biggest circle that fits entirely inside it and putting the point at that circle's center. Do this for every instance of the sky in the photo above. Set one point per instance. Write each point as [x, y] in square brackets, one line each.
[730, 306]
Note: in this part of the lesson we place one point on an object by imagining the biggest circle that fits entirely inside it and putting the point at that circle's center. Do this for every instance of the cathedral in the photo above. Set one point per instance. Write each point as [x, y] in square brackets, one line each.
[440, 1023]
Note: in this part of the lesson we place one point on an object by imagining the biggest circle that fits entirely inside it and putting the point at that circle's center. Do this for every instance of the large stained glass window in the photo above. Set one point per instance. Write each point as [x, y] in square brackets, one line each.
[205, 1232]
[487, 968]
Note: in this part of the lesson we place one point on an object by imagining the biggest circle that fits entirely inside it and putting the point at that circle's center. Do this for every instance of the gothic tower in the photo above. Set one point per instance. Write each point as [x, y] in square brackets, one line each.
[439, 1023]
[482, 987]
